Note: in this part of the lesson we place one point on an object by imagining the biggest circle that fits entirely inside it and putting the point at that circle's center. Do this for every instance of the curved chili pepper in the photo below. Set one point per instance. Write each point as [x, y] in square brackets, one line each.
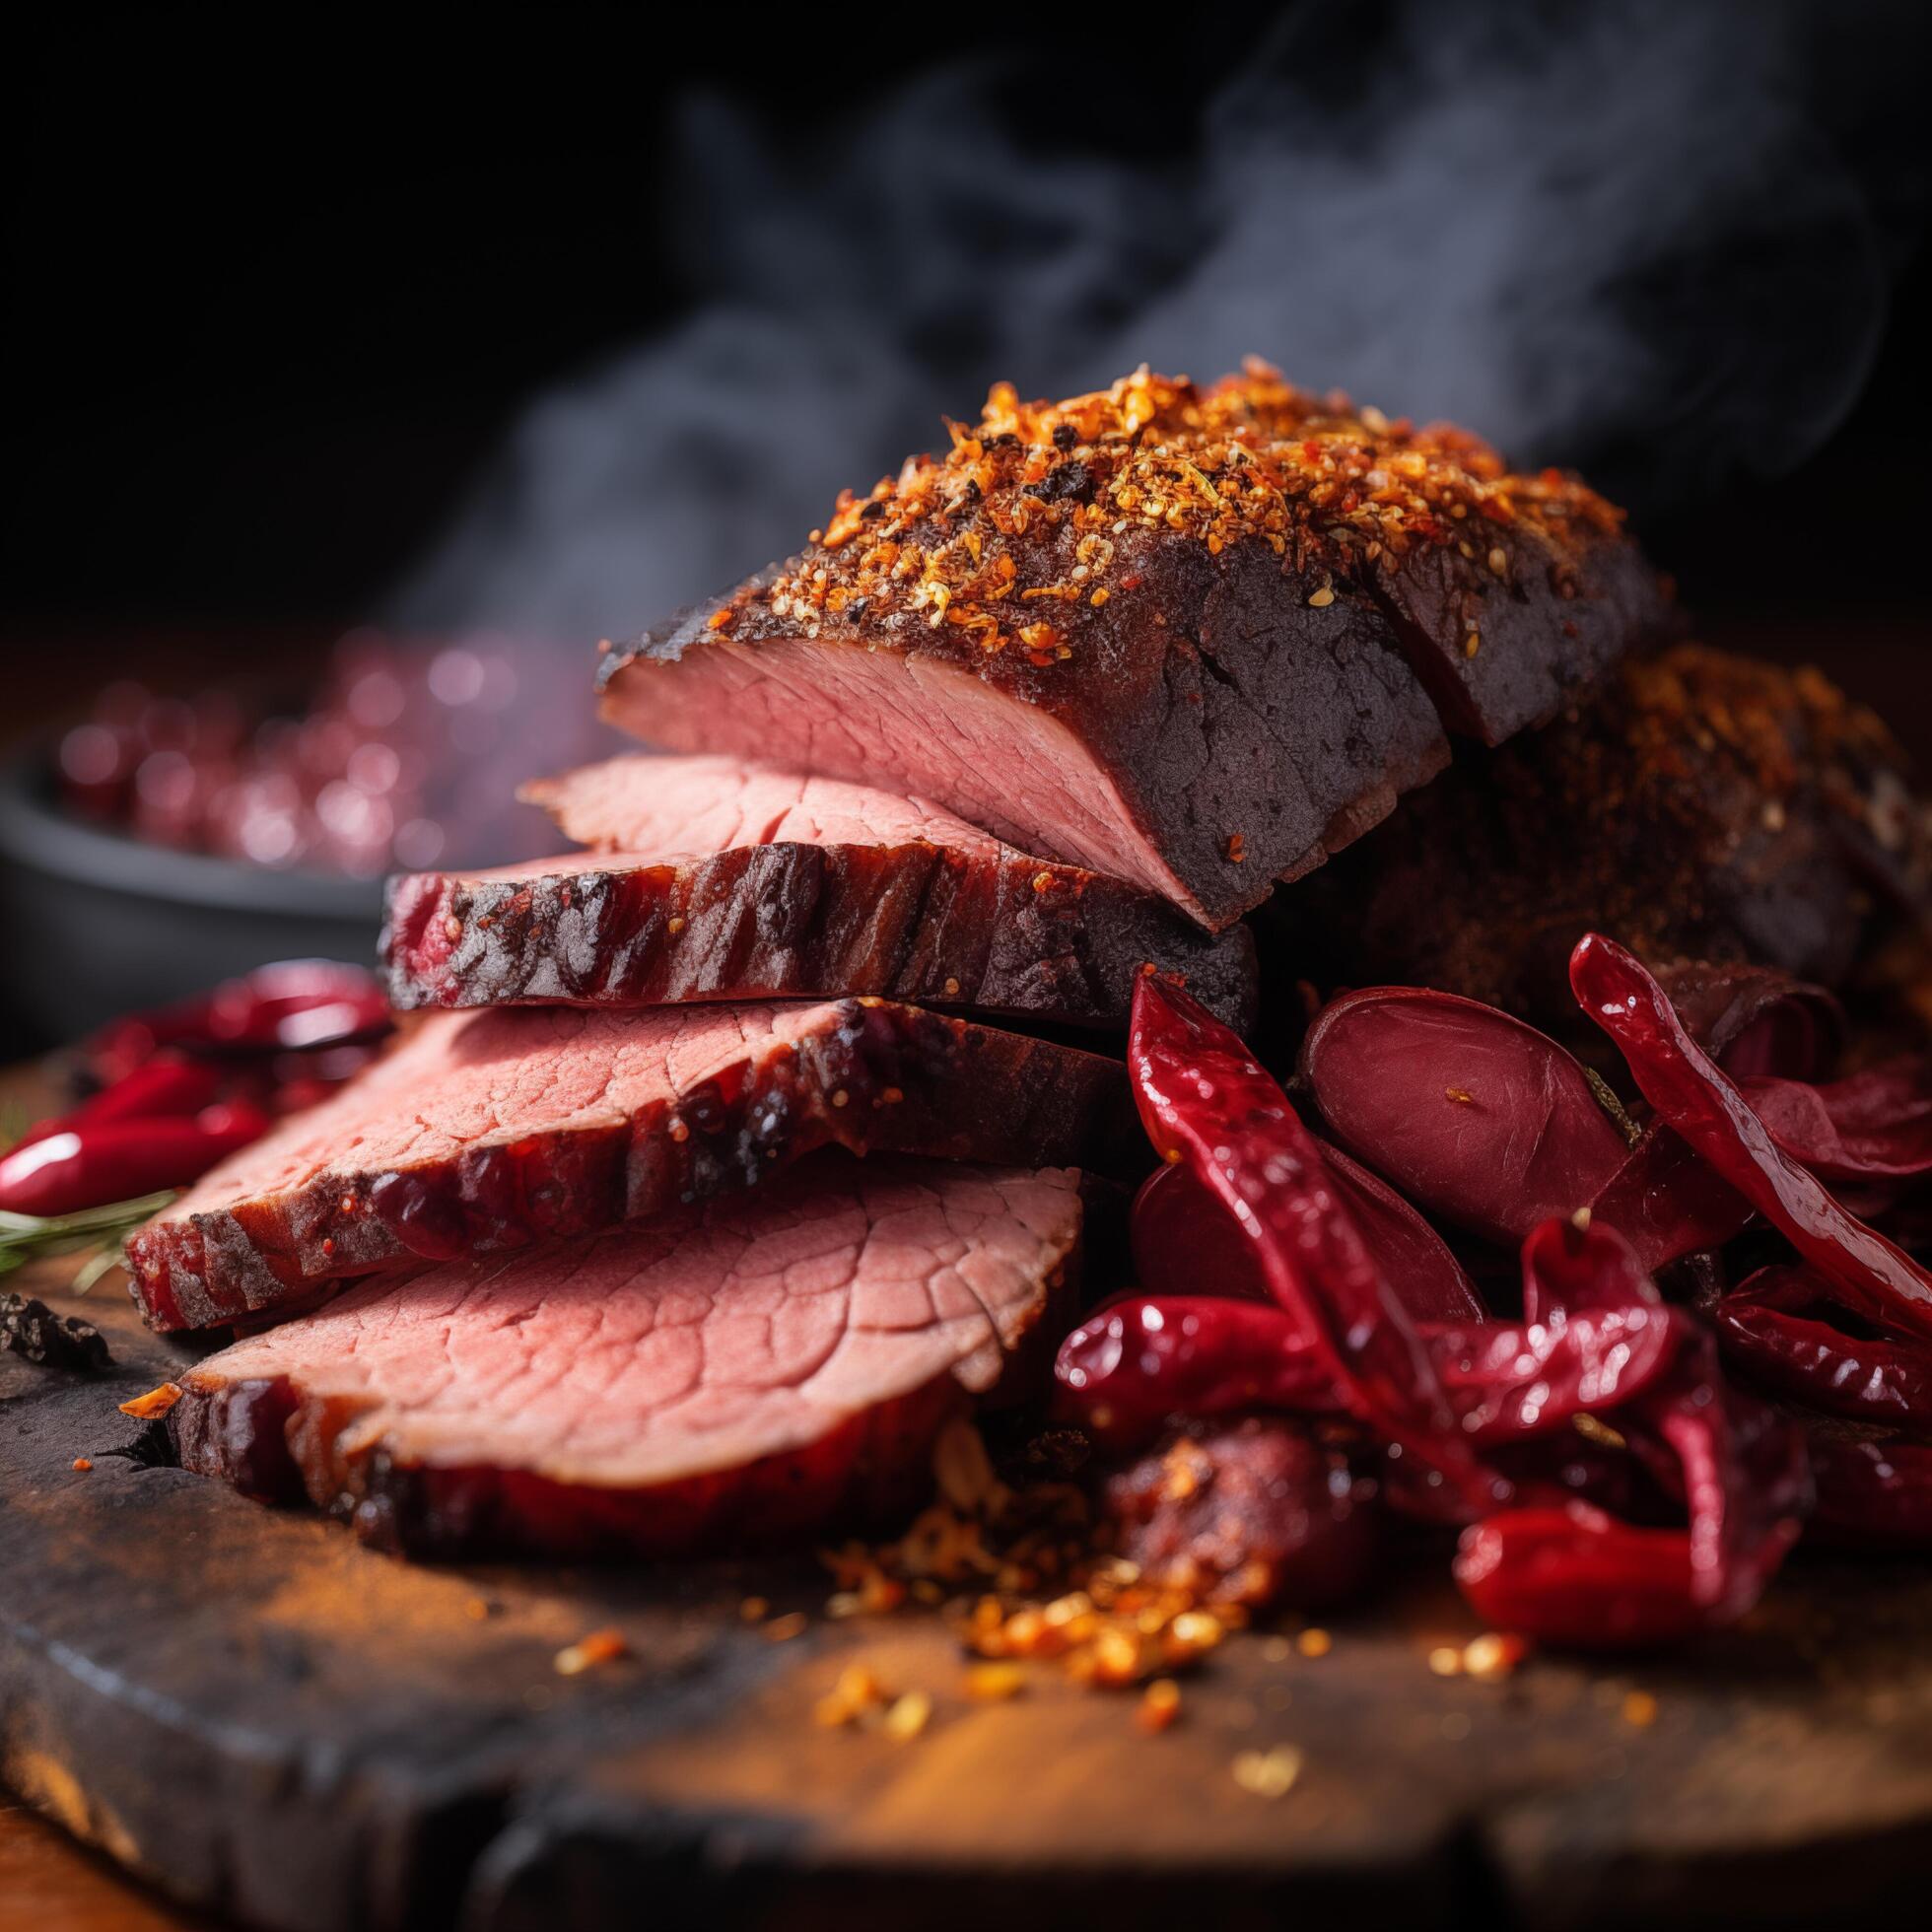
[1756, 1020]
[1680, 1081]
[1876, 1126]
[1874, 1493]
[1138, 1362]
[297, 1003]
[1186, 1242]
[1480, 1117]
[1576, 1576]
[95, 1163]
[1204, 1100]
[1762, 1325]
[170, 1083]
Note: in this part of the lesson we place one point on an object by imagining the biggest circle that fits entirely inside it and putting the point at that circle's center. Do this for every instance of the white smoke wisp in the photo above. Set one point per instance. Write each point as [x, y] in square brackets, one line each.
[1627, 241]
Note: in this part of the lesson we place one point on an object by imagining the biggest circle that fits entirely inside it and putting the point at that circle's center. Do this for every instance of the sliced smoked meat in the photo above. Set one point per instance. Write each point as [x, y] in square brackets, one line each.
[1196, 639]
[486, 1130]
[724, 881]
[1704, 806]
[742, 1371]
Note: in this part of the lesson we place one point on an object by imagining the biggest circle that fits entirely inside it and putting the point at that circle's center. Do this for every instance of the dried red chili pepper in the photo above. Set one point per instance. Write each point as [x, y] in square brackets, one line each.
[1764, 1325]
[1204, 1100]
[1140, 1361]
[1185, 1242]
[170, 1083]
[1876, 1126]
[1576, 1576]
[95, 1163]
[1703, 1104]
[1874, 1491]
[298, 1003]
[1481, 1119]
[1756, 1020]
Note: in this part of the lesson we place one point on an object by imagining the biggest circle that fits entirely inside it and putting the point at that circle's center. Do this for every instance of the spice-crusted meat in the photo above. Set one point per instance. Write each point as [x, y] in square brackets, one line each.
[724, 881]
[742, 1371]
[1705, 806]
[1196, 637]
[491, 1129]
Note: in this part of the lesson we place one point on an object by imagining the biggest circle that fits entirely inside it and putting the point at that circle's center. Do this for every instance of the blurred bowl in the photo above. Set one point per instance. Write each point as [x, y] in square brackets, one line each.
[98, 924]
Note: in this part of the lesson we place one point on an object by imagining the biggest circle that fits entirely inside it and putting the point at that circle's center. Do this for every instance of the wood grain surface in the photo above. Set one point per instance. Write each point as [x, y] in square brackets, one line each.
[252, 1713]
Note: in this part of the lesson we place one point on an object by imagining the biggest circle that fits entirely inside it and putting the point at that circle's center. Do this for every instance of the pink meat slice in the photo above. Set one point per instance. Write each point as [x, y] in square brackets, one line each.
[716, 879]
[700, 804]
[750, 1366]
[491, 1129]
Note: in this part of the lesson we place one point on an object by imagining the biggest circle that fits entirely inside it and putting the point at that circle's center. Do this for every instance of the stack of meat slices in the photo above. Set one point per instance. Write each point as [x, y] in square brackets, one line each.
[744, 1144]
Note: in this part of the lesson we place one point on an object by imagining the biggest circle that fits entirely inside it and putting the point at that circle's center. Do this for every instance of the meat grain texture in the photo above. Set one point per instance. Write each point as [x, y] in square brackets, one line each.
[722, 881]
[487, 1130]
[744, 1372]
[1194, 638]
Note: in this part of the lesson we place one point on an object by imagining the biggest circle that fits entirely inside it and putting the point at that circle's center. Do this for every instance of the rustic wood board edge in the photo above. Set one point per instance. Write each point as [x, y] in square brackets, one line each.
[248, 1709]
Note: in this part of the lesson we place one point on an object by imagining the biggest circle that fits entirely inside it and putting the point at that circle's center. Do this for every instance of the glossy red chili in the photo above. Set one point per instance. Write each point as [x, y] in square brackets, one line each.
[1874, 1491]
[1207, 1102]
[1138, 1362]
[170, 1083]
[1475, 1116]
[1573, 1575]
[1185, 1242]
[297, 1004]
[93, 1163]
[1756, 1020]
[1875, 1125]
[1768, 1328]
[1703, 1105]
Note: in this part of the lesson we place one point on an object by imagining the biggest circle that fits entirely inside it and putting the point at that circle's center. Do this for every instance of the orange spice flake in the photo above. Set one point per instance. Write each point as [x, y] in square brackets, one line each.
[599, 1647]
[155, 1403]
[82, 1463]
[1053, 500]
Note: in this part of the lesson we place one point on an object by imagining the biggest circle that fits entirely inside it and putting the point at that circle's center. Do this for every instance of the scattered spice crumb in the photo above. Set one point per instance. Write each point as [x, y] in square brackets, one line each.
[82, 1463]
[1640, 1709]
[1600, 1433]
[1314, 1643]
[599, 1647]
[1236, 848]
[1161, 1704]
[994, 1683]
[908, 1716]
[1460, 1096]
[781, 1629]
[155, 1403]
[1268, 1773]
[1492, 1657]
[1322, 597]
[857, 1694]
[952, 985]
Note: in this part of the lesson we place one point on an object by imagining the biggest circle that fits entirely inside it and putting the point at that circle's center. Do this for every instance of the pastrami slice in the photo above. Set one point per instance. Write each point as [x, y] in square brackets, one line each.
[491, 1129]
[747, 1370]
[990, 929]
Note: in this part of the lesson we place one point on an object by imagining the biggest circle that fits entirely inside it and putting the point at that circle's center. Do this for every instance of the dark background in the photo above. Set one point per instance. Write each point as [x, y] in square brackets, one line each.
[280, 287]
[276, 294]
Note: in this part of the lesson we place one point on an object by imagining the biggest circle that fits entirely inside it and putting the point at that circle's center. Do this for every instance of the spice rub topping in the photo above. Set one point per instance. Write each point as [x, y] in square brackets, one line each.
[1043, 514]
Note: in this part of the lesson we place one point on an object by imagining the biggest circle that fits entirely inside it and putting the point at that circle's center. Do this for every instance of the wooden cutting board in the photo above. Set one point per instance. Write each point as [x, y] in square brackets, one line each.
[260, 1716]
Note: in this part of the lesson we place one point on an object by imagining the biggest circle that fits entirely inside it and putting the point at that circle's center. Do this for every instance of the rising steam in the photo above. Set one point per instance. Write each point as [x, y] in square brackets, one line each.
[1627, 246]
